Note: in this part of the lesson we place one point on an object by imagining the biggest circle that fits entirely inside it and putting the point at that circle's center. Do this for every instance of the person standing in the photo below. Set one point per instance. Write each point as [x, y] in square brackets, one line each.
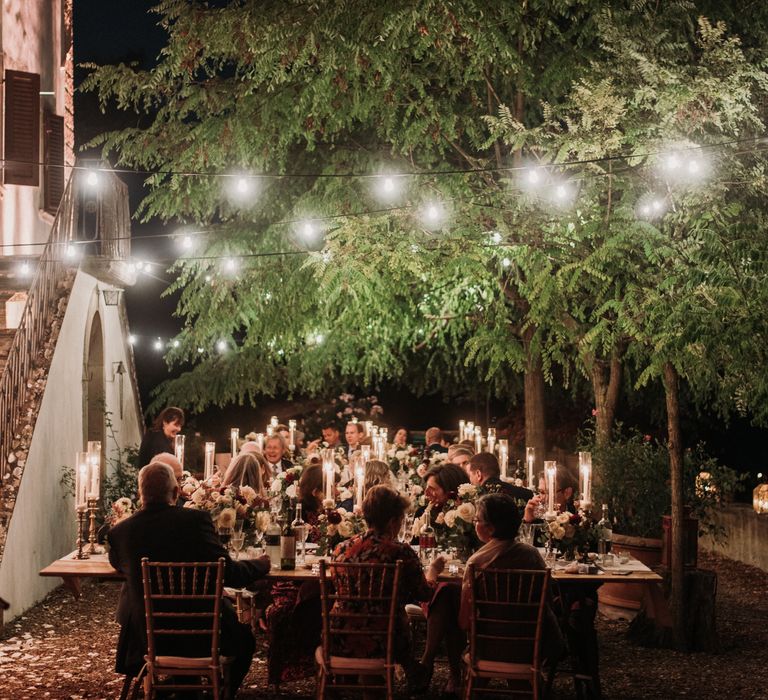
[161, 435]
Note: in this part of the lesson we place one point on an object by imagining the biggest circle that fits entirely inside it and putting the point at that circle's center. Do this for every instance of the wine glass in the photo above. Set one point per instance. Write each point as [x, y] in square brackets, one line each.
[258, 537]
[225, 534]
[236, 542]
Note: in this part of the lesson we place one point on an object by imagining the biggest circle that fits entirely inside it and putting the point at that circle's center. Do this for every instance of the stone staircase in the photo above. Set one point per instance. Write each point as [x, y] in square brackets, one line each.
[11, 281]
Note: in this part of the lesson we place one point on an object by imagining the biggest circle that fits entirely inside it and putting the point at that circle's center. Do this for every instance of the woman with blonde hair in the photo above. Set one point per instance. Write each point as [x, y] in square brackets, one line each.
[377, 473]
[248, 469]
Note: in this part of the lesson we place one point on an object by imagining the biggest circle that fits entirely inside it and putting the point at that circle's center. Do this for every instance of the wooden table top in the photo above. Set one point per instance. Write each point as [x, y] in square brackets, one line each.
[98, 566]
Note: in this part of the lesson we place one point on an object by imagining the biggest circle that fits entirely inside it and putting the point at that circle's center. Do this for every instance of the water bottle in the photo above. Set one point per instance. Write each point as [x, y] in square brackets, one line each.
[604, 534]
[272, 542]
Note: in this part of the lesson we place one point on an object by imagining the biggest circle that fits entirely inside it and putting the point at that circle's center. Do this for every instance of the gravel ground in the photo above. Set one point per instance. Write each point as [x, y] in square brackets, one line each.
[63, 648]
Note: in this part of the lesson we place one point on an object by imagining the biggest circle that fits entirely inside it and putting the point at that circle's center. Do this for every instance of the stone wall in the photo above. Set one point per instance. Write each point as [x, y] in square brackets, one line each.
[747, 536]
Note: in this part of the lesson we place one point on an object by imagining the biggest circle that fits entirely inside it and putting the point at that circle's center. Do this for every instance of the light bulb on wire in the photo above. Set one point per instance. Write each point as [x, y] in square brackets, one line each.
[132, 339]
[92, 178]
[158, 344]
[221, 346]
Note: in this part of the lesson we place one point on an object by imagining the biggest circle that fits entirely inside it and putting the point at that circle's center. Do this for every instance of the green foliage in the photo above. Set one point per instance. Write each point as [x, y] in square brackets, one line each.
[632, 477]
[341, 410]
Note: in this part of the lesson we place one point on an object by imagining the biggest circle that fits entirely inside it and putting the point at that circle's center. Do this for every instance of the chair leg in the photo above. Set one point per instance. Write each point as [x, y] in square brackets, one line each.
[216, 683]
[468, 686]
[321, 682]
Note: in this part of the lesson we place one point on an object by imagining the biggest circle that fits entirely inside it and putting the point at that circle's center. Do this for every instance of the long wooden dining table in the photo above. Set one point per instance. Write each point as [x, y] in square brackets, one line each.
[73, 570]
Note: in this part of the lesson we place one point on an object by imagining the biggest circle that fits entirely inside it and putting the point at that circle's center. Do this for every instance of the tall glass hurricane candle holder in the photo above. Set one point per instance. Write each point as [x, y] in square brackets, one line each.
[585, 481]
[234, 436]
[178, 449]
[530, 467]
[210, 460]
[550, 472]
[81, 499]
[504, 457]
[491, 440]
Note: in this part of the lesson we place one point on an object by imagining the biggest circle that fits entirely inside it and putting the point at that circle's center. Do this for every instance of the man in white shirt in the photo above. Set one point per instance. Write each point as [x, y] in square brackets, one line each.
[274, 452]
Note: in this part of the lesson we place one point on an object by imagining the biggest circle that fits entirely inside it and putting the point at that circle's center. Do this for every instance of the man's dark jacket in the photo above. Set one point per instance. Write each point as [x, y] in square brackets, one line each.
[494, 484]
[165, 533]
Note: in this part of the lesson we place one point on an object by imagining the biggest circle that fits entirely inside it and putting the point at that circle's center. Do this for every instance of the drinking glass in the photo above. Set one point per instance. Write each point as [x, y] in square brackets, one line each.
[225, 534]
[258, 537]
[236, 542]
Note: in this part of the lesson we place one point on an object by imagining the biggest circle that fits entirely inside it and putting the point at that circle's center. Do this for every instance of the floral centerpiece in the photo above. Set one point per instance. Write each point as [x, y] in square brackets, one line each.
[454, 523]
[572, 533]
[119, 510]
[336, 525]
[284, 487]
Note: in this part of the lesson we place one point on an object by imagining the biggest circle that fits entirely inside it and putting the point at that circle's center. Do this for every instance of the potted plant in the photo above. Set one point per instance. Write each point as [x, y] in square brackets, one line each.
[632, 477]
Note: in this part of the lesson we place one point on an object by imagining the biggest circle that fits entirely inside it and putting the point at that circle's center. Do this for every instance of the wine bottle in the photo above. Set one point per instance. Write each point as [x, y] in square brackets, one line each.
[300, 533]
[287, 547]
[427, 542]
[272, 542]
[604, 534]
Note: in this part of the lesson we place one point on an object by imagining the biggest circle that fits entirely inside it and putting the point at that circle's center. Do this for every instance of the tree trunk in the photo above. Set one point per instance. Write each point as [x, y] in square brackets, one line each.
[535, 420]
[606, 382]
[677, 597]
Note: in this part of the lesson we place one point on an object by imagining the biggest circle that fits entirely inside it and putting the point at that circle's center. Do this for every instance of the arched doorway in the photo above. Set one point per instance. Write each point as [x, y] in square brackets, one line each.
[94, 385]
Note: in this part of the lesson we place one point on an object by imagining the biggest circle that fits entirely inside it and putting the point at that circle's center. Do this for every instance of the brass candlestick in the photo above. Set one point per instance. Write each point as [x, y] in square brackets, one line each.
[93, 548]
[80, 524]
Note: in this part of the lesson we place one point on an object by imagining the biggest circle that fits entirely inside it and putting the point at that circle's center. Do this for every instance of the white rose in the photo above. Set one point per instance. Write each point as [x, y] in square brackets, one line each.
[416, 490]
[227, 518]
[189, 487]
[440, 519]
[438, 457]
[466, 511]
[277, 486]
[291, 491]
[519, 482]
[467, 490]
[332, 530]
[557, 531]
[563, 518]
[401, 454]
[417, 525]
[198, 497]
[346, 529]
[329, 503]
[450, 518]
[342, 512]
[263, 519]
[248, 493]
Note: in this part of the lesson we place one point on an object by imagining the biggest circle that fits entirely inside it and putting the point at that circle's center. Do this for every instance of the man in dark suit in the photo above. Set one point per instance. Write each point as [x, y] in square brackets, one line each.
[433, 441]
[484, 472]
[274, 452]
[162, 532]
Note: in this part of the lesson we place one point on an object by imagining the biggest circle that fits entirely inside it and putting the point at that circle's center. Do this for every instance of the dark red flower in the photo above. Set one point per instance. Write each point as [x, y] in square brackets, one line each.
[647, 438]
[575, 519]
[334, 517]
[289, 478]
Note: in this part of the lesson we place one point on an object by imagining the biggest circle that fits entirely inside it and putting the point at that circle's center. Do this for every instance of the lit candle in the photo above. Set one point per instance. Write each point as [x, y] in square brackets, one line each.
[291, 435]
[270, 431]
[368, 427]
[491, 443]
[585, 480]
[359, 483]
[94, 468]
[234, 436]
[354, 419]
[383, 434]
[81, 479]
[210, 457]
[530, 463]
[462, 428]
[379, 448]
[550, 469]
[178, 449]
[478, 439]
[470, 430]
[260, 441]
[273, 422]
[374, 430]
[329, 473]
[503, 457]
[365, 453]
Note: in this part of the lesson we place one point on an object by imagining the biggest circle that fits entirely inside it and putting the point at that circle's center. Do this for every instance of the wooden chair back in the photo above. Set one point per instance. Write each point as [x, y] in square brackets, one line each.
[507, 608]
[182, 605]
[359, 611]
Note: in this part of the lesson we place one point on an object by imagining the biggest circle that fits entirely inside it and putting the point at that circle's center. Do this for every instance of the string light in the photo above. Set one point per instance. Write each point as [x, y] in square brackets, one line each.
[92, 178]
[158, 344]
[230, 265]
[132, 339]
[308, 231]
[433, 215]
[187, 243]
[495, 237]
[71, 251]
[175, 343]
[221, 346]
[24, 268]
[506, 262]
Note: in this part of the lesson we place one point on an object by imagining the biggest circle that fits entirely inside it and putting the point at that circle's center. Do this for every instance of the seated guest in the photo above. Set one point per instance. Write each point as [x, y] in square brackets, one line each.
[484, 471]
[441, 483]
[401, 438]
[433, 439]
[248, 469]
[161, 532]
[275, 450]
[160, 437]
[460, 456]
[331, 439]
[376, 473]
[173, 462]
[310, 491]
[353, 433]
[384, 510]
[497, 521]
[565, 487]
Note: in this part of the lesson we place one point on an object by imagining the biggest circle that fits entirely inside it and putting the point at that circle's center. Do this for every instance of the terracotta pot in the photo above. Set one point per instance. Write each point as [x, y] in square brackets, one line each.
[630, 595]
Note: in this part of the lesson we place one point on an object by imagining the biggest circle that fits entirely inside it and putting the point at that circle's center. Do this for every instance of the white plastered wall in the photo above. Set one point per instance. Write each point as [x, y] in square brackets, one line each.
[42, 528]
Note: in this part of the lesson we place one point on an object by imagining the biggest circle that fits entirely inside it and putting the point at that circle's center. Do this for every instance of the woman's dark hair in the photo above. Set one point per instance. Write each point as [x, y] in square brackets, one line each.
[500, 512]
[448, 477]
[311, 480]
[407, 432]
[168, 415]
[381, 505]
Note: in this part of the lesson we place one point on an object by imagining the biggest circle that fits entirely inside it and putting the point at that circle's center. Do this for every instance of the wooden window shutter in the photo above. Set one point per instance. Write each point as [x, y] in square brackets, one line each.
[22, 128]
[53, 158]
